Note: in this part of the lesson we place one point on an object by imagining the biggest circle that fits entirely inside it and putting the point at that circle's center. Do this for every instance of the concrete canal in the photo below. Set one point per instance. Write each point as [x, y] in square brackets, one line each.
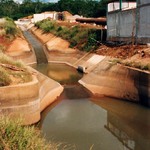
[80, 121]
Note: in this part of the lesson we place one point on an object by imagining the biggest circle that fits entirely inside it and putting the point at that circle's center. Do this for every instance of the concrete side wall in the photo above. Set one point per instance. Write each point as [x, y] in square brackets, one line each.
[28, 100]
[121, 24]
[49, 90]
[112, 20]
[119, 82]
[143, 1]
[144, 22]
[21, 101]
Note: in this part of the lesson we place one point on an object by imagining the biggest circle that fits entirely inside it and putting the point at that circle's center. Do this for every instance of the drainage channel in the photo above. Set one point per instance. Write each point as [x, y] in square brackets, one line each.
[76, 121]
[37, 46]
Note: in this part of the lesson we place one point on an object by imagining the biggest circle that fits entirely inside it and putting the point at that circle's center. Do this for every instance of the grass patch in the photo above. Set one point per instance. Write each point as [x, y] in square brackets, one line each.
[13, 72]
[79, 37]
[138, 65]
[4, 77]
[16, 137]
[133, 64]
[115, 61]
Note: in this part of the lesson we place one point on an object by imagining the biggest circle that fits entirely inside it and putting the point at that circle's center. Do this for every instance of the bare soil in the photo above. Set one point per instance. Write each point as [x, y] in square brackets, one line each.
[5, 43]
[130, 53]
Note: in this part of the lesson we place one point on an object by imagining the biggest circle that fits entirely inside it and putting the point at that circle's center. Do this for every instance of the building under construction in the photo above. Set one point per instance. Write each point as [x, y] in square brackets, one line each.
[128, 20]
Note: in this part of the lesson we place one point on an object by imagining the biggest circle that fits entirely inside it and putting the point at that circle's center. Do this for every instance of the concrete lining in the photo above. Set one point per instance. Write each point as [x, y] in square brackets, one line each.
[28, 100]
[21, 100]
[49, 90]
[107, 79]
[119, 82]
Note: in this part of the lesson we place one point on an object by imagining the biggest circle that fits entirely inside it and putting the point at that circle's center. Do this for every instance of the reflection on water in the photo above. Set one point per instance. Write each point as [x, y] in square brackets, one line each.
[81, 122]
[86, 123]
[128, 122]
[62, 73]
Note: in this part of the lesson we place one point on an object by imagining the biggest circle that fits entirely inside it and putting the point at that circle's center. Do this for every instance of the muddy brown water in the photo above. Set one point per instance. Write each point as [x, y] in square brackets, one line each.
[79, 121]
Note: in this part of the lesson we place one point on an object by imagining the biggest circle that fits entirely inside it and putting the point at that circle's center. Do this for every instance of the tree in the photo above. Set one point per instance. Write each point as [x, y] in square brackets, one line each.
[8, 8]
[86, 8]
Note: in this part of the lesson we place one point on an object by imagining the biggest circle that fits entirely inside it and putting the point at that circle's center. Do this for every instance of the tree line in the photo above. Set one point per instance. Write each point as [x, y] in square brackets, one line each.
[86, 8]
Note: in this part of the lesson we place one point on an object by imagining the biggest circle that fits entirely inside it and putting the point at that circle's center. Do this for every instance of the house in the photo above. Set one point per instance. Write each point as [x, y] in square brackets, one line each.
[128, 20]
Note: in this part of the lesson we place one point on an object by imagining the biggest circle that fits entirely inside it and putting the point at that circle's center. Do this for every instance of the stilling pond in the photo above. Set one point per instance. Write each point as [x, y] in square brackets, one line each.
[81, 122]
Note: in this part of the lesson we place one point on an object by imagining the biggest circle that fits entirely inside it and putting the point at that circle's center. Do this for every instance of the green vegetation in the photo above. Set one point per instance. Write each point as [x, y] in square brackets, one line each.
[134, 64]
[138, 65]
[13, 136]
[87, 8]
[12, 72]
[7, 27]
[79, 37]
[8, 31]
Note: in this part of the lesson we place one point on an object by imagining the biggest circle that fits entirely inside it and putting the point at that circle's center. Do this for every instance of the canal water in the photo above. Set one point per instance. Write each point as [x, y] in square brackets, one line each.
[78, 121]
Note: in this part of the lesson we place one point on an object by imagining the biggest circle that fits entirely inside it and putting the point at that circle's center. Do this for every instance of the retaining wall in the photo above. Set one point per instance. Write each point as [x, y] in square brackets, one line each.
[49, 90]
[21, 100]
[28, 100]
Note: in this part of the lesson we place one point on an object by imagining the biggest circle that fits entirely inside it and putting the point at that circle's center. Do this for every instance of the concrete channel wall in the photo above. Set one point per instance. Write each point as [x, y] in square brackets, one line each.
[49, 90]
[104, 78]
[22, 101]
[119, 82]
[28, 100]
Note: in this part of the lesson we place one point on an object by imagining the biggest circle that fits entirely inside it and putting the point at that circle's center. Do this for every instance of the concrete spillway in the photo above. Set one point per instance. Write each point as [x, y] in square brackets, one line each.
[37, 46]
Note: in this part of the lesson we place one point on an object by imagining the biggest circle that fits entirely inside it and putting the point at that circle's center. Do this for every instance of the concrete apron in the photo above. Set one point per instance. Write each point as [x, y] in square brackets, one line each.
[26, 101]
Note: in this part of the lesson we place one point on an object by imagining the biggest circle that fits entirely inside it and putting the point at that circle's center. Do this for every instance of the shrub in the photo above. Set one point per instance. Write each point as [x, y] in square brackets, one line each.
[79, 37]
[74, 30]
[46, 25]
[10, 27]
[2, 32]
